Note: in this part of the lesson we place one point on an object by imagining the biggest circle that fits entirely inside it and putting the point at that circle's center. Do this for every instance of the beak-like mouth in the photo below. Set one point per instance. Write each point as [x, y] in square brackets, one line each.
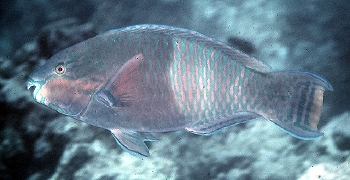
[34, 87]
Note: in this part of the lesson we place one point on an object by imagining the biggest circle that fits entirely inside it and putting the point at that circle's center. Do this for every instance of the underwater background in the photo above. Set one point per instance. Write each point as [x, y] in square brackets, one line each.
[39, 143]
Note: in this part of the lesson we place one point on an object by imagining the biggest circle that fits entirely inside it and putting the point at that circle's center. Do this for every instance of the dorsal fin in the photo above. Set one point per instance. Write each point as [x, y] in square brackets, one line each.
[236, 55]
[248, 61]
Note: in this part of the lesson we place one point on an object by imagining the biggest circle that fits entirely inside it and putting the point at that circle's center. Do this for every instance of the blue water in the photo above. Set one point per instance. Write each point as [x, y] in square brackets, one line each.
[38, 143]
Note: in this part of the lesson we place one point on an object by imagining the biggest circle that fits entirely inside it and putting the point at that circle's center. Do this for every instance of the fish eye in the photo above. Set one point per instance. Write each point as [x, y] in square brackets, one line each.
[60, 69]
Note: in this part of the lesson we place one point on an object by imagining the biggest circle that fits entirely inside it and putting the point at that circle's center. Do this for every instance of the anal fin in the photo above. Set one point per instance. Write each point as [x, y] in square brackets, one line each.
[212, 126]
[133, 142]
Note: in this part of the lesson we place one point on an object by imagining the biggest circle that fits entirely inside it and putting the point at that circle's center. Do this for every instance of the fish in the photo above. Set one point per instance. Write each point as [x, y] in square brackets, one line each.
[146, 79]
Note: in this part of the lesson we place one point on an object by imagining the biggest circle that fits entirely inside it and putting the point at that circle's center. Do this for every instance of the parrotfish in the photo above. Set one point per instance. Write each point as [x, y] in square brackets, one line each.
[144, 79]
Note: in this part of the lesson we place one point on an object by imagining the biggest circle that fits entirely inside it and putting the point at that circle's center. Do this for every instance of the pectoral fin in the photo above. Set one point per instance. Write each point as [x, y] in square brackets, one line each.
[132, 141]
[123, 88]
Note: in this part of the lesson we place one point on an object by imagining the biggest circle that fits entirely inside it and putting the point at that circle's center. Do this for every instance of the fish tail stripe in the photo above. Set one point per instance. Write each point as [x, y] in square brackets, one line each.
[309, 102]
[305, 105]
[300, 105]
[297, 105]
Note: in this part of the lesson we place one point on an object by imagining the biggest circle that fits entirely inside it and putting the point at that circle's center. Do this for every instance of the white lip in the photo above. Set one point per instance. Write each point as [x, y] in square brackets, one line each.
[36, 85]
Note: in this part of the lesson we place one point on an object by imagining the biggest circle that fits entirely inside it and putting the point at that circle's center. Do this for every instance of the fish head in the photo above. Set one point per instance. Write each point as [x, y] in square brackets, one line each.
[60, 84]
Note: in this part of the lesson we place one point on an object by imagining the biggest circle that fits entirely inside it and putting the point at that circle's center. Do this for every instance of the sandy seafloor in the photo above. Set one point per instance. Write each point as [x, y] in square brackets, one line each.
[38, 143]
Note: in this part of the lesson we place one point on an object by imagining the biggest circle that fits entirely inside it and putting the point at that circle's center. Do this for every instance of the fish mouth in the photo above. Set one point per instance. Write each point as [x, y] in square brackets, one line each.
[34, 87]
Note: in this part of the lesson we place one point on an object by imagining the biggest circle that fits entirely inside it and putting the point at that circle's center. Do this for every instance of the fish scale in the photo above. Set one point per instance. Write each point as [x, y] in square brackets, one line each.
[144, 79]
[206, 83]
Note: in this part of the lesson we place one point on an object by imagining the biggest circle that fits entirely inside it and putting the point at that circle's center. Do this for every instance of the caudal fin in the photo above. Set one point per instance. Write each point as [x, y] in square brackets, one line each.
[293, 101]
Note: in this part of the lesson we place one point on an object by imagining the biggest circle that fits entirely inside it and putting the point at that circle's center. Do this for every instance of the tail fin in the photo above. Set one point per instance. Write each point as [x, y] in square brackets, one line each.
[293, 101]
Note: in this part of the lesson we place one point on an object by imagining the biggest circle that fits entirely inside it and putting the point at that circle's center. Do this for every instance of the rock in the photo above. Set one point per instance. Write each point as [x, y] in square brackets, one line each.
[340, 131]
[328, 171]
[337, 165]
[62, 34]
[12, 154]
